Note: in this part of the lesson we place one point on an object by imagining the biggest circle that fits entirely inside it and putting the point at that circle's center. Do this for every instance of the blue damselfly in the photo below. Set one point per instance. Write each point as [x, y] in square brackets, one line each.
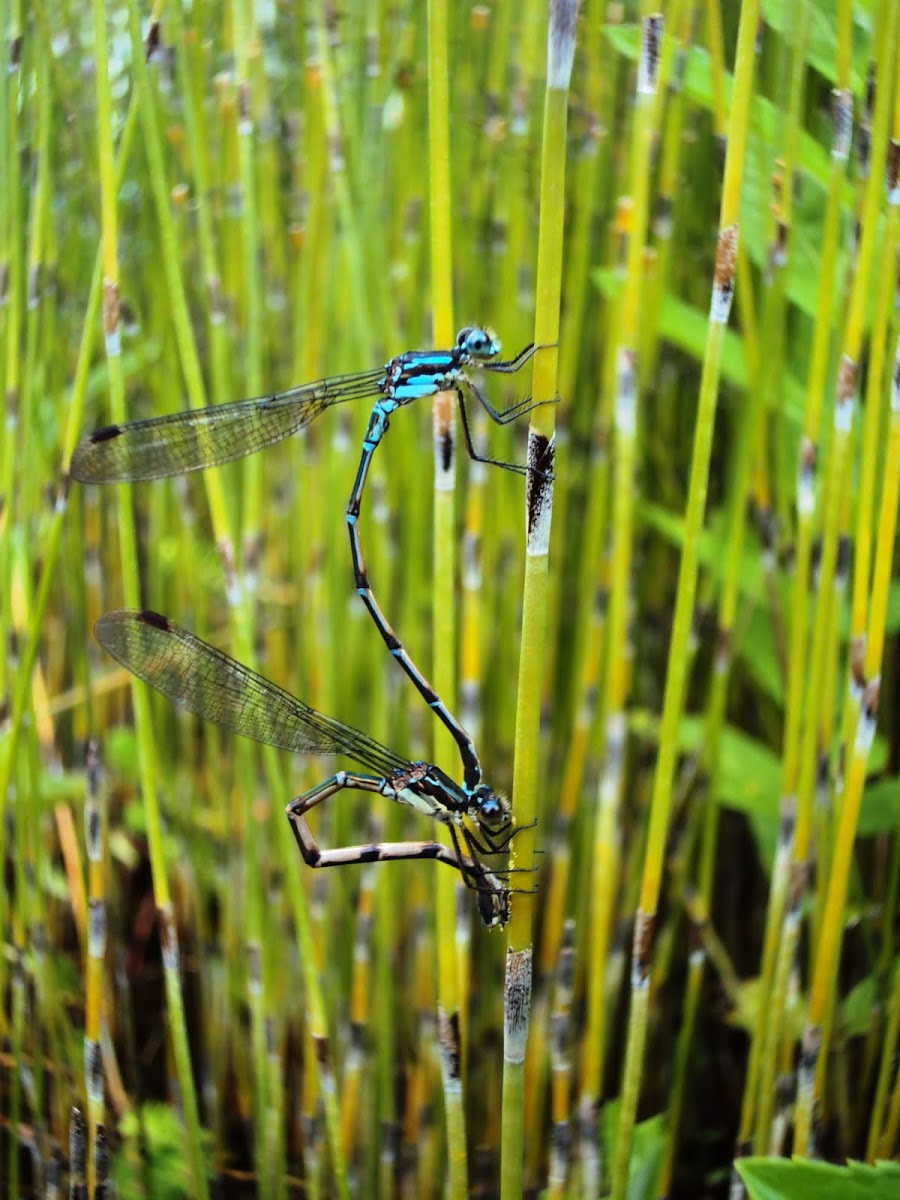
[189, 441]
[214, 686]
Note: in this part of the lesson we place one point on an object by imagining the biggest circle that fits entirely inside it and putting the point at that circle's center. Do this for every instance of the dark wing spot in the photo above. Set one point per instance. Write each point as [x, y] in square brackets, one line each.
[148, 617]
[106, 434]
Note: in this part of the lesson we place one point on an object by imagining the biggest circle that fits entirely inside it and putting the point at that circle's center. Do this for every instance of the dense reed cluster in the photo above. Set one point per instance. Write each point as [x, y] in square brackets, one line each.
[672, 639]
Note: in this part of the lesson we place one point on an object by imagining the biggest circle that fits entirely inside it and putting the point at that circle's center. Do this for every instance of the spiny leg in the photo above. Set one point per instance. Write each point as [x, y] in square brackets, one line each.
[494, 841]
[471, 765]
[373, 852]
[516, 468]
[489, 886]
[514, 364]
[503, 416]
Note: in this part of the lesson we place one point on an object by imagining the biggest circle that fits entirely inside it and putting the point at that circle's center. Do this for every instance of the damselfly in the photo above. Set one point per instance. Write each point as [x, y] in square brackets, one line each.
[207, 437]
[215, 687]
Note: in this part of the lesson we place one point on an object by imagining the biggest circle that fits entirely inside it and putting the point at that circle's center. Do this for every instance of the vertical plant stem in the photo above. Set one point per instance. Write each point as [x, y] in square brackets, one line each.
[11, 244]
[723, 286]
[147, 751]
[538, 508]
[95, 822]
[240, 616]
[763, 389]
[444, 576]
[624, 358]
[865, 683]
[561, 1056]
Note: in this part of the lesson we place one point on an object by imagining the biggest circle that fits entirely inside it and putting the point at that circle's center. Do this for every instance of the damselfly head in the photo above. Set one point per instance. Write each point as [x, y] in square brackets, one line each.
[478, 343]
[489, 808]
[493, 902]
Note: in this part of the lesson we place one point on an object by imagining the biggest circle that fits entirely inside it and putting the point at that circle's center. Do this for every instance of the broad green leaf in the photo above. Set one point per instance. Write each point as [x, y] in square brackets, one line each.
[647, 1151]
[797, 1179]
[821, 43]
[163, 1159]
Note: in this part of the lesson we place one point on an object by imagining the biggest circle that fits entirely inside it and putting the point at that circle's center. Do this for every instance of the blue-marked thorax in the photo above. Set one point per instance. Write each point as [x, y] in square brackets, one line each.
[420, 373]
[438, 362]
[416, 386]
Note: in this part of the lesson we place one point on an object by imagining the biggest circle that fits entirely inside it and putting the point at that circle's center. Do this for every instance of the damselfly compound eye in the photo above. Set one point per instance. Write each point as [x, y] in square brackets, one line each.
[492, 809]
[212, 685]
[480, 343]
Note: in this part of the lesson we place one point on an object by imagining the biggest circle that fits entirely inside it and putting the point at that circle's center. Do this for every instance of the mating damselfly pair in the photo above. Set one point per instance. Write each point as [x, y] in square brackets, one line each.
[216, 687]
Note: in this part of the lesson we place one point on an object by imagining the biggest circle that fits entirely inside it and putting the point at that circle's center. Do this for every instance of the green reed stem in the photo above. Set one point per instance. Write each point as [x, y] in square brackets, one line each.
[128, 542]
[679, 651]
[241, 625]
[814, 1054]
[246, 44]
[539, 501]
[805, 507]
[764, 387]
[75, 411]
[11, 264]
[444, 617]
[886, 1122]
[623, 365]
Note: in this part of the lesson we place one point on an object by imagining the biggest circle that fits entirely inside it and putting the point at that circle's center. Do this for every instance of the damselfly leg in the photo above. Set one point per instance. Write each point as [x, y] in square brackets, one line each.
[493, 894]
[190, 441]
[217, 688]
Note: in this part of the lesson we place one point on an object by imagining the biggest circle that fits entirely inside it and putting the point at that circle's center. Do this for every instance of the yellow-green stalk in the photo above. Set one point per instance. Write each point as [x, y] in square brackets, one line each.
[269, 1168]
[246, 51]
[865, 678]
[589, 170]
[723, 287]
[11, 318]
[763, 386]
[360, 992]
[75, 410]
[670, 163]
[240, 615]
[444, 572]
[715, 716]
[623, 365]
[590, 618]
[538, 508]
[473, 611]
[805, 514]
[561, 1062]
[11, 262]
[883, 1136]
[21, 449]
[127, 538]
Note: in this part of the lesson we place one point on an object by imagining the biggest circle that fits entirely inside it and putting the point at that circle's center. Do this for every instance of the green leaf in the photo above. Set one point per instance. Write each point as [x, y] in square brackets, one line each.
[712, 545]
[765, 134]
[822, 41]
[755, 649]
[784, 1179]
[880, 809]
[765, 118]
[749, 778]
[686, 327]
[647, 1151]
[163, 1160]
[857, 1008]
[121, 753]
